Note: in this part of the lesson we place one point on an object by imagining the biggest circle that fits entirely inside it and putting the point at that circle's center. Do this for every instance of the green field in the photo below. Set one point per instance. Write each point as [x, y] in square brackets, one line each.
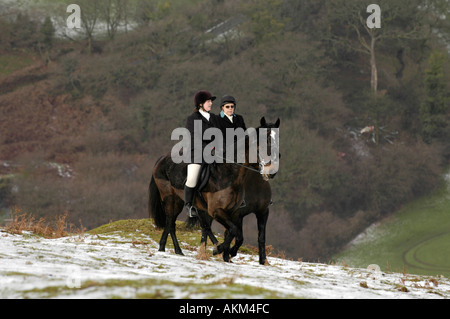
[415, 240]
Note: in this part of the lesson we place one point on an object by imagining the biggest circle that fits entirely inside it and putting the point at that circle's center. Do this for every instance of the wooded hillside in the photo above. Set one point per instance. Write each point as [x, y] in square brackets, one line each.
[84, 117]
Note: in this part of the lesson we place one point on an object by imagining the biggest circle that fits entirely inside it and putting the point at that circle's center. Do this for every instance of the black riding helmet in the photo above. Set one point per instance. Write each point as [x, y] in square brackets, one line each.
[227, 99]
[203, 96]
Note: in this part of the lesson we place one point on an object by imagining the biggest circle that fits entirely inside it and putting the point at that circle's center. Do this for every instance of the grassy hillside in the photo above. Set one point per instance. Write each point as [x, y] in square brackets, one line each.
[83, 122]
[121, 260]
[414, 240]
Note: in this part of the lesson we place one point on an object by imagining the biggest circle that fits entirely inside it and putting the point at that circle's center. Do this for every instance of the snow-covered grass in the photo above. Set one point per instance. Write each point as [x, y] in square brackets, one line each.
[125, 263]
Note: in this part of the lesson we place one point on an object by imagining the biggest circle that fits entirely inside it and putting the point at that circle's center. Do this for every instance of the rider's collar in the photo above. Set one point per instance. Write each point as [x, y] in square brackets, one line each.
[205, 114]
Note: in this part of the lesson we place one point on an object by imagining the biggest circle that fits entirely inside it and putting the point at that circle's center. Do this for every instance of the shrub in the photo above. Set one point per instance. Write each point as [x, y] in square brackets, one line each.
[27, 222]
[434, 109]
[396, 174]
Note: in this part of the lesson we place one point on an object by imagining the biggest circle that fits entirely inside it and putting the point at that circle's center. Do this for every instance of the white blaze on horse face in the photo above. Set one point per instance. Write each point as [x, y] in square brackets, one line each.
[273, 133]
[274, 145]
[270, 162]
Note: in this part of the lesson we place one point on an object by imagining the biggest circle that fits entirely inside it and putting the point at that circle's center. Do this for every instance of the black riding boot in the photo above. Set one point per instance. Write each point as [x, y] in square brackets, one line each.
[188, 199]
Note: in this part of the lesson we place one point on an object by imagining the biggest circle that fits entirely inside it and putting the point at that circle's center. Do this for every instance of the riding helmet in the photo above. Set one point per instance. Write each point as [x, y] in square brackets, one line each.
[227, 99]
[203, 96]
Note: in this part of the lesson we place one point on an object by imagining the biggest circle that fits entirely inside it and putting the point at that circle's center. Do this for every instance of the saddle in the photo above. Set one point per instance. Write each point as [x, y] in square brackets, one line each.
[203, 178]
[205, 173]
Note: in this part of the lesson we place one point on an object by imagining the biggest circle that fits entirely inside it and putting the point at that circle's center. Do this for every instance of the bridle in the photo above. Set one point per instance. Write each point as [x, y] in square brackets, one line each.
[261, 161]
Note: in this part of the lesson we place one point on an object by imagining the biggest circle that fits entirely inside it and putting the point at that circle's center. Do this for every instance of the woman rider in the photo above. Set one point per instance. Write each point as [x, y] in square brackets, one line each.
[229, 119]
[203, 103]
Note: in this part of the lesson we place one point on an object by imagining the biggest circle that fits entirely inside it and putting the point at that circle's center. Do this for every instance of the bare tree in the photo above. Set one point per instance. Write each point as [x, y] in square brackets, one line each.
[114, 12]
[348, 28]
[90, 14]
[400, 19]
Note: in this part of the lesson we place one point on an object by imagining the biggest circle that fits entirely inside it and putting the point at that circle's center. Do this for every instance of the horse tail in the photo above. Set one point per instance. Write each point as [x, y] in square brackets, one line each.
[155, 208]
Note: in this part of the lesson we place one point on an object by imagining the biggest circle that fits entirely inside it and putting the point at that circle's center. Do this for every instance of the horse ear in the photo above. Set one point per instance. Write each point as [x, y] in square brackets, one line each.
[263, 121]
[277, 123]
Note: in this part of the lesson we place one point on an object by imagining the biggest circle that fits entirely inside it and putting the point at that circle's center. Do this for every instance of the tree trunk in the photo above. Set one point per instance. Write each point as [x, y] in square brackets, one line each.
[374, 83]
[373, 66]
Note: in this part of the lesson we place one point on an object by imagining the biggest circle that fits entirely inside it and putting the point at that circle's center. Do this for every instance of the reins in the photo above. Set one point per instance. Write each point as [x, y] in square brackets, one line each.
[239, 164]
[261, 164]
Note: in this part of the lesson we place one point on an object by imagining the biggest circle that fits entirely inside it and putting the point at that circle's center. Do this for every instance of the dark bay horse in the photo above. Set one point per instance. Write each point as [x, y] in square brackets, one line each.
[258, 196]
[223, 195]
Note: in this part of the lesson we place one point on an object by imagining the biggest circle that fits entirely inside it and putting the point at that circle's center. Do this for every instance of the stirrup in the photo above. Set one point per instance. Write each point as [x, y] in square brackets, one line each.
[244, 204]
[191, 211]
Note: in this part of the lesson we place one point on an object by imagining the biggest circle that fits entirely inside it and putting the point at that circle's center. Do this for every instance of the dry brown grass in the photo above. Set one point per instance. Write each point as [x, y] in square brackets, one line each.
[203, 253]
[58, 228]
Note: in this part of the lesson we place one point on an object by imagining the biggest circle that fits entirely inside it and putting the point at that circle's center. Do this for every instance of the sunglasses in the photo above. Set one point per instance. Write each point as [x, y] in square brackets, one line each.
[229, 106]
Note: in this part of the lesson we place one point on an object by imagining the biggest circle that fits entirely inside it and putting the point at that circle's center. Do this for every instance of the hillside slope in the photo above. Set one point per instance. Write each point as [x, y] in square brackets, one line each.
[104, 110]
[415, 238]
[119, 264]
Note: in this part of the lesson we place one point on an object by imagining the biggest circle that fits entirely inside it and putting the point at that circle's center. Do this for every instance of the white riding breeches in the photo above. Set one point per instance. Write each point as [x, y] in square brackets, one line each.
[193, 171]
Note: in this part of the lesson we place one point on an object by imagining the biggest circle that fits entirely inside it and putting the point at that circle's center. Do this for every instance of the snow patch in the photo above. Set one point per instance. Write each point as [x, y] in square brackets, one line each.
[91, 267]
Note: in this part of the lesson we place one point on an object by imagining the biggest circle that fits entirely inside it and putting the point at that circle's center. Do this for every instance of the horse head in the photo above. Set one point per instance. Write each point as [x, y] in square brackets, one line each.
[268, 148]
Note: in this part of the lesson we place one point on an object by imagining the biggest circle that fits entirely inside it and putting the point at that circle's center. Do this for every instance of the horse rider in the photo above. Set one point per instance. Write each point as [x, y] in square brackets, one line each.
[203, 104]
[229, 119]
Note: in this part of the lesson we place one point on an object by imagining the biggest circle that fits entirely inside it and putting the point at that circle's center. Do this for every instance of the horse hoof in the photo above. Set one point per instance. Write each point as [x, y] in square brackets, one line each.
[179, 253]
[226, 258]
[217, 250]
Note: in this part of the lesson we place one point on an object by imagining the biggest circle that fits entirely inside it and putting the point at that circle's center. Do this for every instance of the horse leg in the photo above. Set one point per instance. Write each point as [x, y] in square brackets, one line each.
[218, 249]
[239, 239]
[205, 223]
[262, 222]
[221, 216]
[176, 245]
[163, 240]
[170, 229]
[173, 208]
[227, 242]
[211, 234]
